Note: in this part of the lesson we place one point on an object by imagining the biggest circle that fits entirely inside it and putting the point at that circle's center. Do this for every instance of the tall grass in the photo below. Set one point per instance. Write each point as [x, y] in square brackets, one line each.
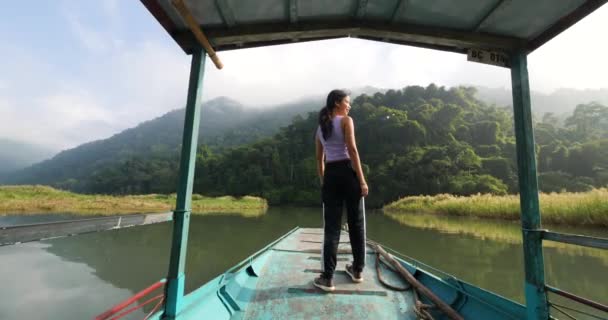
[584, 208]
[42, 199]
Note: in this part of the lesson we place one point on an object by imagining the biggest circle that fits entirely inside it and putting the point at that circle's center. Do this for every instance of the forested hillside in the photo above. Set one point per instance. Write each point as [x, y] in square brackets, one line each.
[224, 123]
[412, 141]
[418, 141]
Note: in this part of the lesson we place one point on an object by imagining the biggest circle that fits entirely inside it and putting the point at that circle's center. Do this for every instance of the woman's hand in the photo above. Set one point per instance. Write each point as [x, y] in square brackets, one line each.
[364, 189]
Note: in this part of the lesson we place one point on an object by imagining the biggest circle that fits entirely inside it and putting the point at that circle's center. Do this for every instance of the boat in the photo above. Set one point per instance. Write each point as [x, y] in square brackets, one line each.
[275, 283]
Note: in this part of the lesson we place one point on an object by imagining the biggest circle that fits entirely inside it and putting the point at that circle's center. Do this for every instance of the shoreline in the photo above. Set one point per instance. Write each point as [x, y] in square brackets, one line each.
[568, 208]
[31, 200]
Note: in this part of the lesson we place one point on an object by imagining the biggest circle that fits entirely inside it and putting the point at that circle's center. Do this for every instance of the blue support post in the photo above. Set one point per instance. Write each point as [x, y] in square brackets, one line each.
[174, 291]
[536, 297]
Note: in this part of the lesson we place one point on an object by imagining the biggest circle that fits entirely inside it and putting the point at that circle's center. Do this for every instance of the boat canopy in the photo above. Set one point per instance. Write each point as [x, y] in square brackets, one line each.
[457, 26]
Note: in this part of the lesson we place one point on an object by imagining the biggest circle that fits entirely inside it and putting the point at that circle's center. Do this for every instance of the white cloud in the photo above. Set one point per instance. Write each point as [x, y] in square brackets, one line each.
[111, 8]
[281, 73]
[149, 78]
[66, 110]
[57, 121]
[115, 86]
[89, 38]
[574, 59]
[73, 107]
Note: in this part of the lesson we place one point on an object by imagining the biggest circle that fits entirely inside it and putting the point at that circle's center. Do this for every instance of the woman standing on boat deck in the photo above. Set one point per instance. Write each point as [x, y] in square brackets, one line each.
[339, 169]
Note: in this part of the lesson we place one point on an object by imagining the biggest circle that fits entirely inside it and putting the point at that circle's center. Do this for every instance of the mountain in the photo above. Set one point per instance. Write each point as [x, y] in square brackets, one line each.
[153, 146]
[15, 155]
[224, 123]
[559, 102]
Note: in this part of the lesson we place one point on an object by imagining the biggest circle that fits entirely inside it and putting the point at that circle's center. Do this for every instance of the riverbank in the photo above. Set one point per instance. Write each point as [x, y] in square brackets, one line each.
[584, 208]
[499, 231]
[42, 199]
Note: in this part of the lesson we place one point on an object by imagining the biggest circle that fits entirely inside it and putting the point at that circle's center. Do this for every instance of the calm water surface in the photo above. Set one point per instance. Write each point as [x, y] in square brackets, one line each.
[79, 277]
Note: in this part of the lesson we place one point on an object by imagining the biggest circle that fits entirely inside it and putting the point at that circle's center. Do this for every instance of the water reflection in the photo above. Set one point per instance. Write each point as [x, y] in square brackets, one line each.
[76, 277]
[489, 254]
[40, 285]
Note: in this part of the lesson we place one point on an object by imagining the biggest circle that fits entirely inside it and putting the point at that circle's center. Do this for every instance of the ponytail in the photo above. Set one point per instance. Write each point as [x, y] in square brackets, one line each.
[325, 123]
[335, 96]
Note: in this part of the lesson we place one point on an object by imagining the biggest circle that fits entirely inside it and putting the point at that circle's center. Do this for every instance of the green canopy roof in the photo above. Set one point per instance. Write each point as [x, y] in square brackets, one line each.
[451, 25]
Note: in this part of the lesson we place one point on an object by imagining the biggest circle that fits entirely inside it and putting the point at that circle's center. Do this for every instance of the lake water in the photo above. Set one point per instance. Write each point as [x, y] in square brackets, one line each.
[81, 276]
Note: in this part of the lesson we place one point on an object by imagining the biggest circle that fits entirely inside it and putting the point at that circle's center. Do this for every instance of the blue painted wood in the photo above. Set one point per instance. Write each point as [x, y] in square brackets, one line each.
[181, 216]
[273, 284]
[536, 296]
[585, 241]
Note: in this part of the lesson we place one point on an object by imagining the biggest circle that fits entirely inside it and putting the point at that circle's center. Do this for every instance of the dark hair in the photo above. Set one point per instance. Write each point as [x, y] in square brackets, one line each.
[335, 96]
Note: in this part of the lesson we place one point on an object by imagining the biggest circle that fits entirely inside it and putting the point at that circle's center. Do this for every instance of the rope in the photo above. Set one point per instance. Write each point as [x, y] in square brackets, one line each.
[155, 307]
[419, 308]
[384, 283]
[555, 305]
[564, 312]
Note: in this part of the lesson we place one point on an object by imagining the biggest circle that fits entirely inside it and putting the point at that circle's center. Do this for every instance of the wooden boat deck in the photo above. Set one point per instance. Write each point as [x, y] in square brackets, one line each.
[277, 284]
[284, 289]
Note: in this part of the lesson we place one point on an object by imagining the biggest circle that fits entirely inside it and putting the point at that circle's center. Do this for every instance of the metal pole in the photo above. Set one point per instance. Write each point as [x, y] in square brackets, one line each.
[536, 297]
[181, 216]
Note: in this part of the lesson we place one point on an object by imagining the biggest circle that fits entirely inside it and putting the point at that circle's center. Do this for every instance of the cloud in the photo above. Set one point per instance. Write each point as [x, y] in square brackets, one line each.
[574, 59]
[57, 121]
[118, 91]
[148, 77]
[282, 73]
[89, 38]
[111, 8]
[111, 86]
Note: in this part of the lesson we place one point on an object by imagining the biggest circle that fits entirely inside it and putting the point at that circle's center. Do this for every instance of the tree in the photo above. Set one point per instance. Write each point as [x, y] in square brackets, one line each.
[588, 119]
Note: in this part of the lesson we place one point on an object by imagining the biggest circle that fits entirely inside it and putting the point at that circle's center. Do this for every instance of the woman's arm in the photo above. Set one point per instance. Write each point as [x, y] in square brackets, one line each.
[351, 145]
[320, 158]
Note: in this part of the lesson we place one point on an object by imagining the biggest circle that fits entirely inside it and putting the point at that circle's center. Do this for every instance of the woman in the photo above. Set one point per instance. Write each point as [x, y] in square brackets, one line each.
[339, 169]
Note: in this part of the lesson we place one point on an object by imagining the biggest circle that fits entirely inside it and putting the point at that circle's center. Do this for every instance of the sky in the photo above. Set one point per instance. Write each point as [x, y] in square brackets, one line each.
[74, 71]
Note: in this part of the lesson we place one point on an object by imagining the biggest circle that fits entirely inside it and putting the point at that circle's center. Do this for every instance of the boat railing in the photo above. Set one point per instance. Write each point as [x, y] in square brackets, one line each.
[579, 240]
[57, 229]
[116, 312]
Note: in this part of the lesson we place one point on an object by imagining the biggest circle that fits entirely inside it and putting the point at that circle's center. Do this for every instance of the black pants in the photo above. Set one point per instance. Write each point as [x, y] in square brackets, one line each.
[340, 185]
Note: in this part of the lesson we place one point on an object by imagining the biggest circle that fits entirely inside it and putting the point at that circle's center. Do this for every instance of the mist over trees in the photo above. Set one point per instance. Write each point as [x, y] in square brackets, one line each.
[416, 140]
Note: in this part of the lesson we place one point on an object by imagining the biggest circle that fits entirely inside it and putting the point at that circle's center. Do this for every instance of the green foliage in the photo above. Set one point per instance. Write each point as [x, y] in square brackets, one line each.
[27, 199]
[412, 141]
[587, 208]
[589, 120]
[557, 181]
[498, 167]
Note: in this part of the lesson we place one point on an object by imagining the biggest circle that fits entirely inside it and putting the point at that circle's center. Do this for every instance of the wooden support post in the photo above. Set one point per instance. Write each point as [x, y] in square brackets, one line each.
[181, 216]
[190, 21]
[536, 297]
